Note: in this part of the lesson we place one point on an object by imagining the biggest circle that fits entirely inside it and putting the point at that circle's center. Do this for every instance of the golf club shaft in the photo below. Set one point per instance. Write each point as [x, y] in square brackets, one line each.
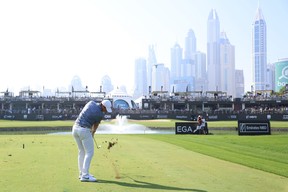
[95, 142]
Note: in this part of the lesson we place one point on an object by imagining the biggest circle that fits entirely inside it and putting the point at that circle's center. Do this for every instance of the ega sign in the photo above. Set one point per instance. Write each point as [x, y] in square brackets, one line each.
[186, 127]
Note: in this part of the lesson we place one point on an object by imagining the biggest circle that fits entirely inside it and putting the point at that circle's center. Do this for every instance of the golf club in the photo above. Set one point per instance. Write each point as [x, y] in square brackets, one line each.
[98, 147]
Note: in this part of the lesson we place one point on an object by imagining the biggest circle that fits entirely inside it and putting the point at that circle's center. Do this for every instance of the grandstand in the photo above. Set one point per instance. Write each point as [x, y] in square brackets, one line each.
[213, 106]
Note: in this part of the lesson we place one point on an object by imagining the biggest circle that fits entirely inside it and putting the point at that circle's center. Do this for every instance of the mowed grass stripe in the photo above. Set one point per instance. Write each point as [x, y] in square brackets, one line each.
[276, 147]
[267, 153]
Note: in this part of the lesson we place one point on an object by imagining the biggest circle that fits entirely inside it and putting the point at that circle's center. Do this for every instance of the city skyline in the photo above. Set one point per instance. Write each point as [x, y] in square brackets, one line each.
[47, 43]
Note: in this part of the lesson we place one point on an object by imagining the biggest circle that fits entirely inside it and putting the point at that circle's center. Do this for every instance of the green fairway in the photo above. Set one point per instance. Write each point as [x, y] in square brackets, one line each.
[145, 163]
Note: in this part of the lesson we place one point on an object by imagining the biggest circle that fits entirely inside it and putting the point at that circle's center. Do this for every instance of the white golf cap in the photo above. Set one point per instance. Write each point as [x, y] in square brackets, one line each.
[107, 104]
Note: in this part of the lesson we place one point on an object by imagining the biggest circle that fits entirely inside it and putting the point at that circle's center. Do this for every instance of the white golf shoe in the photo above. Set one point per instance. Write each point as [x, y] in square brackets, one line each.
[89, 178]
[80, 175]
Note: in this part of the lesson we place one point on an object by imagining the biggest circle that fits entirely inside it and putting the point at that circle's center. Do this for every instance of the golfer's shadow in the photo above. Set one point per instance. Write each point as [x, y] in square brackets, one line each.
[147, 185]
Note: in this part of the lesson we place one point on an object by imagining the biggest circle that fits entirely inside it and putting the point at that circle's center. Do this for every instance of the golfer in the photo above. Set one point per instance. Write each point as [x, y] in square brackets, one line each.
[200, 126]
[83, 131]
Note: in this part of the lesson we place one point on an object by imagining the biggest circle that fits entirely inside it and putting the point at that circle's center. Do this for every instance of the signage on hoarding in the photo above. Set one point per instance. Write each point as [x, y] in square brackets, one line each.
[281, 74]
[188, 127]
[252, 127]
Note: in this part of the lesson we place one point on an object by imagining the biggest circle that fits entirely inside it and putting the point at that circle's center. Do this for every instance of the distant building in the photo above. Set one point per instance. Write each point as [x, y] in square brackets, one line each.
[152, 60]
[160, 78]
[188, 70]
[121, 99]
[106, 84]
[239, 83]
[259, 51]
[227, 65]
[176, 61]
[200, 72]
[270, 85]
[76, 84]
[181, 75]
[213, 55]
[140, 78]
[190, 45]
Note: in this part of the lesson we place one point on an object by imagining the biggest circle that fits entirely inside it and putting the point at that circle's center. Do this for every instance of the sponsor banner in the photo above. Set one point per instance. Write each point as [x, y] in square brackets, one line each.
[39, 117]
[9, 117]
[187, 127]
[162, 116]
[188, 117]
[181, 117]
[144, 116]
[213, 117]
[56, 117]
[256, 117]
[232, 117]
[285, 117]
[254, 127]
[221, 117]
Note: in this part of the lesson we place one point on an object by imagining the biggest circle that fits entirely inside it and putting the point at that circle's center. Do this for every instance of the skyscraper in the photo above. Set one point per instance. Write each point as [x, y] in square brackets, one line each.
[200, 72]
[181, 71]
[160, 77]
[190, 45]
[213, 48]
[227, 65]
[188, 68]
[106, 84]
[259, 51]
[140, 78]
[270, 82]
[176, 61]
[239, 83]
[150, 62]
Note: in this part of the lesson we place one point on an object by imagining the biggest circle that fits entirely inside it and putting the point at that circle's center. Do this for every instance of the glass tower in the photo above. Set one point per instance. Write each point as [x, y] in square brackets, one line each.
[150, 62]
[259, 52]
[140, 78]
[213, 52]
[227, 63]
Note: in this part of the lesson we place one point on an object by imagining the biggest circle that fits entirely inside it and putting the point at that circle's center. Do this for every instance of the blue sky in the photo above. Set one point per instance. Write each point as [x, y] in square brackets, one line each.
[46, 43]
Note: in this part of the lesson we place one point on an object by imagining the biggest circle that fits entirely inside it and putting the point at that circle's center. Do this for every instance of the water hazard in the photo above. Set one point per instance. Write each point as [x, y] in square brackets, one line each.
[122, 126]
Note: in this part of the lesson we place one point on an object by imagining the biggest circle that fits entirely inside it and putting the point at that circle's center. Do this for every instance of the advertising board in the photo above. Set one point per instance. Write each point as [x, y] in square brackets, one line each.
[188, 128]
[281, 74]
[252, 127]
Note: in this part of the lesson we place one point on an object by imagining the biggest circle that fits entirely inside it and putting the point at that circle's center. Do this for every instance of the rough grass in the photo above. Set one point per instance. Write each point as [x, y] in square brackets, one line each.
[140, 163]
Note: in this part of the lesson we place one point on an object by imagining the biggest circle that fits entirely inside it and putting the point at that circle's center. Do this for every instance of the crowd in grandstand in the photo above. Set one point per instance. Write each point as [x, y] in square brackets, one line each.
[68, 109]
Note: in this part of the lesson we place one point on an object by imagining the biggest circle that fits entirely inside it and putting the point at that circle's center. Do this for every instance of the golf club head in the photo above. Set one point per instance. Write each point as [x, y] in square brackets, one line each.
[98, 147]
